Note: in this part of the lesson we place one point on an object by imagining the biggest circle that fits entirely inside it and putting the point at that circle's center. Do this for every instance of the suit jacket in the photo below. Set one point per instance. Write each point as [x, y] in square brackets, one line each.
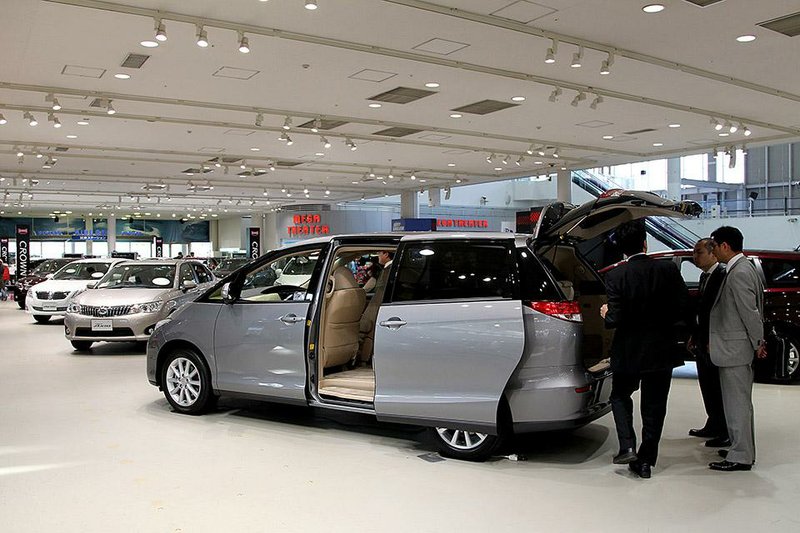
[705, 301]
[646, 299]
[737, 316]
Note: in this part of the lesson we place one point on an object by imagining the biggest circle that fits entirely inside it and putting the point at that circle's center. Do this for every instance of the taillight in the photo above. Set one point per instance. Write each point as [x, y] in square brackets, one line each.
[569, 310]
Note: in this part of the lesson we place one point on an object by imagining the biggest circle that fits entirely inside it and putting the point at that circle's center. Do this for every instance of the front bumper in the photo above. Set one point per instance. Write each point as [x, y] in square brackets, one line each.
[136, 327]
[35, 306]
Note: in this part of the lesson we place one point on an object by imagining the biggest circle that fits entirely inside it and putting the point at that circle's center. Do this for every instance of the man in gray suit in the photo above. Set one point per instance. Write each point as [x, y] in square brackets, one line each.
[736, 334]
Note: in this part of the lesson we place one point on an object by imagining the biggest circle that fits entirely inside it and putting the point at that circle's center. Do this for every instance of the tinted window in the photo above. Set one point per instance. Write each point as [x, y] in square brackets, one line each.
[447, 270]
[203, 275]
[83, 271]
[781, 272]
[535, 285]
[186, 273]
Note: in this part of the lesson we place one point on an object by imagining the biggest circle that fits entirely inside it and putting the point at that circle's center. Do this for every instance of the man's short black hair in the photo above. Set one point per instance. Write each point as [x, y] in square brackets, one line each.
[631, 236]
[707, 243]
[390, 253]
[729, 234]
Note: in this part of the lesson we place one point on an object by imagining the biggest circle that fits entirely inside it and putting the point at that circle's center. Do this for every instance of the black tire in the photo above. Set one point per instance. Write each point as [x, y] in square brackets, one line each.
[443, 438]
[187, 391]
[787, 364]
[42, 319]
[82, 346]
[21, 302]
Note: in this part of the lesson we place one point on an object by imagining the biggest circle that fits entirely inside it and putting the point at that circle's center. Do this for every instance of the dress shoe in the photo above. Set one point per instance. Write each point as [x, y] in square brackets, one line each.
[728, 466]
[723, 453]
[703, 433]
[642, 470]
[719, 442]
[624, 457]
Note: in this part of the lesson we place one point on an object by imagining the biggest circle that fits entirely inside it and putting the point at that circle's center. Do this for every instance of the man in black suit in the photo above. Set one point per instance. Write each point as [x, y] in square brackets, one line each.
[707, 373]
[646, 298]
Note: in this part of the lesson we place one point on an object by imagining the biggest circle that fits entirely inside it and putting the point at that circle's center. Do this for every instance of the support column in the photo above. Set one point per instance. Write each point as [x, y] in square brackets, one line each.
[269, 232]
[674, 179]
[434, 197]
[112, 232]
[90, 230]
[564, 186]
[213, 234]
[409, 204]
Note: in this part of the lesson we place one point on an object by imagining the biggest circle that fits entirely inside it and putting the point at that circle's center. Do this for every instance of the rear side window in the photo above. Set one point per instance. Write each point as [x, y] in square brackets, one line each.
[443, 270]
[781, 272]
[535, 284]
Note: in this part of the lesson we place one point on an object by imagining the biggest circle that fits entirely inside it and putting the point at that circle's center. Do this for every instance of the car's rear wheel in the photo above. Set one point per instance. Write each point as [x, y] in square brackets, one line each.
[82, 346]
[21, 302]
[465, 445]
[186, 383]
[788, 367]
[41, 319]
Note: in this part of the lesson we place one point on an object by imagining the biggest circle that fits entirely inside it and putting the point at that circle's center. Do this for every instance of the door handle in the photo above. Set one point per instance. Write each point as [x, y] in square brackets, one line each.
[393, 323]
[291, 318]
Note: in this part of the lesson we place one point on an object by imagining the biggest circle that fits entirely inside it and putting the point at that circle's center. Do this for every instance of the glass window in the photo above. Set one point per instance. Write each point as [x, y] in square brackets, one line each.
[448, 270]
[781, 272]
[186, 273]
[535, 285]
[203, 275]
[139, 275]
[82, 271]
[690, 273]
[287, 278]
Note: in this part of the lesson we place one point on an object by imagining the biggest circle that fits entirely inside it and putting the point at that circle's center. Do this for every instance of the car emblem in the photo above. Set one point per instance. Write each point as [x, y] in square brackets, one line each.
[103, 311]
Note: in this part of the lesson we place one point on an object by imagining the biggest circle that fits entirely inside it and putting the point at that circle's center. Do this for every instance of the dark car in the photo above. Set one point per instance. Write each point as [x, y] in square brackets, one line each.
[228, 266]
[38, 275]
[780, 273]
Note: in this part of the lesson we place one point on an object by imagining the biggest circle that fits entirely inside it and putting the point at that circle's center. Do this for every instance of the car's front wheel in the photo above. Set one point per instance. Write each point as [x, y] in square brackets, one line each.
[21, 302]
[186, 383]
[41, 319]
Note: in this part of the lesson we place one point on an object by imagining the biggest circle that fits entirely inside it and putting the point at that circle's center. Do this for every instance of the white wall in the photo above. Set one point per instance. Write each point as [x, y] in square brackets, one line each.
[771, 233]
[230, 232]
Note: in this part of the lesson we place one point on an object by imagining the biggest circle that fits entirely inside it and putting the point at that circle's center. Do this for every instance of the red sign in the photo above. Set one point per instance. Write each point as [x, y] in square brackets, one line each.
[307, 225]
[461, 223]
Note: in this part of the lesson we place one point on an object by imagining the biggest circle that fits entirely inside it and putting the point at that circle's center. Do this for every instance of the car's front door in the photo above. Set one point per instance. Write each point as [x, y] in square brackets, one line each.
[259, 338]
[449, 333]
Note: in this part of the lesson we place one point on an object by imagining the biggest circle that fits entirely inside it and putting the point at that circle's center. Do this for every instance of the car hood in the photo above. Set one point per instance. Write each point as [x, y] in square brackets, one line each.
[612, 208]
[30, 280]
[126, 296]
[54, 285]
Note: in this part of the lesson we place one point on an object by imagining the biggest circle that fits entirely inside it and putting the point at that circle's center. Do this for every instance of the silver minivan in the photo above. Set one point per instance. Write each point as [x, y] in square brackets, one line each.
[474, 335]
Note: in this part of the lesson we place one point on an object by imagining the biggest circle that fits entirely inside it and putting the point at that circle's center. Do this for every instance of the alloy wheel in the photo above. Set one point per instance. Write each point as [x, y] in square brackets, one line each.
[183, 381]
[792, 359]
[461, 439]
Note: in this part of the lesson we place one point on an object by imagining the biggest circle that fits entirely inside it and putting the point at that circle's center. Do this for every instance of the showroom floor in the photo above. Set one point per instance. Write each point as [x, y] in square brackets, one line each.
[86, 444]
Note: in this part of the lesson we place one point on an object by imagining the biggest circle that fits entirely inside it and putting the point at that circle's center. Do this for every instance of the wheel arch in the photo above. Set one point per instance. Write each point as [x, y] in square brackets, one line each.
[173, 345]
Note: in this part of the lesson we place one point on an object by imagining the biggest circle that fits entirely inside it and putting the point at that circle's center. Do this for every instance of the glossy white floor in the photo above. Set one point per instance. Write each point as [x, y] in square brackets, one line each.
[86, 444]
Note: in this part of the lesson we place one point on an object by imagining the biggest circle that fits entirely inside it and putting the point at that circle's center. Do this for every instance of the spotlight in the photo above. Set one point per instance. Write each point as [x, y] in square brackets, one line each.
[505, 159]
[555, 153]
[54, 119]
[20, 153]
[161, 31]
[519, 161]
[529, 151]
[283, 137]
[110, 108]
[716, 123]
[311, 5]
[287, 123]
[56, 106]
[30, 118]
[325, 142]
[349, 143]
[259, 120]
[244, 43]
[555, 94]
[289, 141]
[597, 100]
[490, 158]
[413, 175]
[747, 132]
[243, 165]
[327, 192]
[577, 58]
[578, 99]
[550, 57]
[3, 120]
[217, 162]
[271, 165]
[729, 126]
[317, 125]
[733, 128]
[540, 151]
[202, 37]
[605, 66]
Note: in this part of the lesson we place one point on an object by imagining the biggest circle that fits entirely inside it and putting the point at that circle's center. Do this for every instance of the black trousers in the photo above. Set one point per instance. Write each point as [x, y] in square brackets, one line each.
[711, 390]
[655, 390]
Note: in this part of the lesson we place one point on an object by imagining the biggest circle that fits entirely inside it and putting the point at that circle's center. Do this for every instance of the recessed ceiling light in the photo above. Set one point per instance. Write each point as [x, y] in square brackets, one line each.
[72, 136]
[122, 76]
[451, 164]
[456, 115]
[724, 134]
[674, 125]
[320, 154]
[149, 44]
[608, 137]
[498, 168]
[432, 85]
[375, 105]
[746, 38]
[518, 98]
[658, 144]
[255, 149]
[83, 122]
[653, 8]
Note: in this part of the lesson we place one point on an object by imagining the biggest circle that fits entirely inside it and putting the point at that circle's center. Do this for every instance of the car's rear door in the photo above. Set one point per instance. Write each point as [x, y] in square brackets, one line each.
[449, 332]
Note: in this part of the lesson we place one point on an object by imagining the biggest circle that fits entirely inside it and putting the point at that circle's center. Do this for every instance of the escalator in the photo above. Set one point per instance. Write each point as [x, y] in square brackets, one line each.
[665, 230]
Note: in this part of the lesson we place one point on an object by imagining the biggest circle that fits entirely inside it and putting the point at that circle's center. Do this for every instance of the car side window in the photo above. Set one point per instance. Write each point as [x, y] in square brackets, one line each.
[445, 270]
[186, 273]
[781, 273]
[284, 279]
[690, 273]
[203, 275]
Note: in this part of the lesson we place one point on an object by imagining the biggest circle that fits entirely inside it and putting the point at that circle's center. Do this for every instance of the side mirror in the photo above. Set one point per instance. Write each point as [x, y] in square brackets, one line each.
[188, 285]
[91, 285]
[226, 293]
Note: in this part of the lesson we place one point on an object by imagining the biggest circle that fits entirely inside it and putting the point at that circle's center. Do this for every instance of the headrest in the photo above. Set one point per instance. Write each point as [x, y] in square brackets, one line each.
[343, 279]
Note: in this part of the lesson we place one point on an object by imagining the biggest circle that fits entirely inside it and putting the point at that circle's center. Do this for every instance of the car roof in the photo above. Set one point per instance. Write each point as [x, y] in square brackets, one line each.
[416, 236]
[97, 260]
[759, 253]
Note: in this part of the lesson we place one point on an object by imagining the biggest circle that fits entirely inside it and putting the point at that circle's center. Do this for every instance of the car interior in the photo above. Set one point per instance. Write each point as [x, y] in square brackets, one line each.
[347, 327]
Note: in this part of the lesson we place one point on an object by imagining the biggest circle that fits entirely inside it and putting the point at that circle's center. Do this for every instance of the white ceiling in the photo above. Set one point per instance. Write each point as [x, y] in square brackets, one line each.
[682, 65]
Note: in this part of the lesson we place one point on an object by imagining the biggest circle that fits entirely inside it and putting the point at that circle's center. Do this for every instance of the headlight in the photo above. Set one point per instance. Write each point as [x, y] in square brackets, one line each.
[149, 307]
[74, 308]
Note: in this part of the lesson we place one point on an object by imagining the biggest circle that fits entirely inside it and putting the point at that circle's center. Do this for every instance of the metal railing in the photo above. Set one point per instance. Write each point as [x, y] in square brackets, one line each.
[750, 208]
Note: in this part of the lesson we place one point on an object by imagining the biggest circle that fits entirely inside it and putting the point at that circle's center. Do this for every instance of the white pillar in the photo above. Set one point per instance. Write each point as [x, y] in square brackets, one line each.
[409, 204]
[269, 232]
[674, 178]
[564, 186]
[434, 197]
[112, 232]
[89, 230]
[213, 234]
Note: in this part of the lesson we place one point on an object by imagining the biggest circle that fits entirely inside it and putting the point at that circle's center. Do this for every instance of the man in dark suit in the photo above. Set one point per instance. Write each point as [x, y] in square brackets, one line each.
[707, 373]
[736, 336]
[646, 298]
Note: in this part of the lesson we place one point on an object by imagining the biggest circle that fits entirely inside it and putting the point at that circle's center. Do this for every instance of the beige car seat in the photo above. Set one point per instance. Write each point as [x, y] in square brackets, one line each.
[344, 303]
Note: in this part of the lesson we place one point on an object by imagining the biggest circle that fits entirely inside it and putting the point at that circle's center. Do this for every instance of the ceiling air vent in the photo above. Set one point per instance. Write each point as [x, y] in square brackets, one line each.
[287, 164]
[704, 3]
[248, 173]
[61, 148]
[324, 124]
[190, 171]
[401, 95]
[636, 132]
[134, 60]
[484, 107]
[99, 102]
[397, 132]
[788, 25]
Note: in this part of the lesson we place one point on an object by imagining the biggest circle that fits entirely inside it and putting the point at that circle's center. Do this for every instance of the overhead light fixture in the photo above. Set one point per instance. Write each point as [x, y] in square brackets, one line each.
[747, 132]
[581, 96]
[20, 153]
[54, 119]
[550, 57]
[716, 123]
[577, 58]
[289, 141]
[327, 192]
[83, 122]
[30, 118]
[161, 31]
[733, 128]
[517, 98]
[490, 158]
[375, 105]
[110, 108]
[505, 159]
[676, 125]
[597, 100]
[653, 8]
[149, 44]
[325, 142]
[3, 120]
[271, 165]
[244, 43]
[729, 126]
[456, 115]
[311, 5]
[54, 105]
[349, 143]
[608, 137]
[413, 175]
[555, 153]
[605, 66]
[541, 151]
[243, 164]
[658, 145]
[287, 123]
[259, 120]
[519, 161]
[746, 38]
[555, 94]
[432, 85]
[202, 37]
[122, 76]
[317, 125]
[530, 150]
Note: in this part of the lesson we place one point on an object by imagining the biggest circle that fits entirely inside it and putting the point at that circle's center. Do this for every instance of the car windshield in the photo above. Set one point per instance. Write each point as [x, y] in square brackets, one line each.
[230, 264]
[82, 271]
[300, 266]
[51, 265]
[140, 276]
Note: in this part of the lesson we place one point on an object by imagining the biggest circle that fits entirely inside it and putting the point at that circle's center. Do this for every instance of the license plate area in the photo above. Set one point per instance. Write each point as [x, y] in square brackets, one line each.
[48, 308]
[102, 325]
